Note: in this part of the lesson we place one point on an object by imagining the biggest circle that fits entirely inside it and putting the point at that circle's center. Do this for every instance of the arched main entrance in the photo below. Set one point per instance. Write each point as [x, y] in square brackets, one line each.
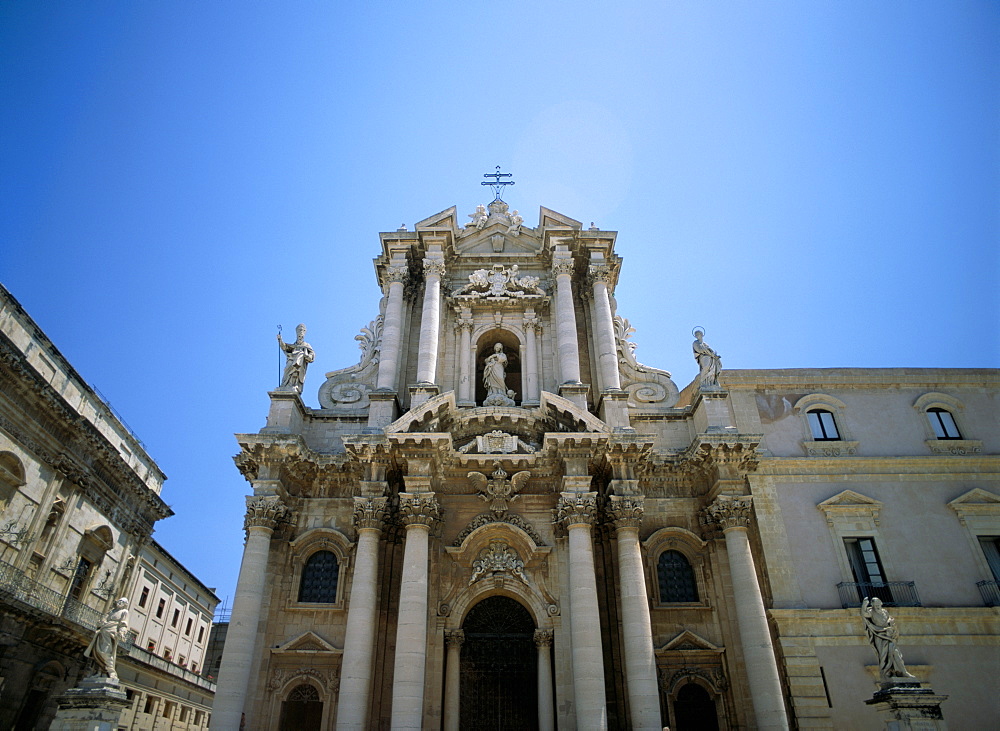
[499, 667]
[694, 710]
[302, 710]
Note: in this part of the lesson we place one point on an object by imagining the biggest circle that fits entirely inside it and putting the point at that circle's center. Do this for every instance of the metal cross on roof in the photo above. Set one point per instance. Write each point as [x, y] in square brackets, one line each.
[497, 184]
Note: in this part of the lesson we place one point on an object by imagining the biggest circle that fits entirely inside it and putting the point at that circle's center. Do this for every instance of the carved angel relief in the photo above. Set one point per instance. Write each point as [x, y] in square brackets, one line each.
[645, 385]
[499, 558]
[499, 491]
[348, 388]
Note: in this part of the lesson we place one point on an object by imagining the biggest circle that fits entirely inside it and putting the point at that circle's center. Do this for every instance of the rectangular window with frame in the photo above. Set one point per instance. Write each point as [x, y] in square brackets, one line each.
[144, 597]
[177, 616]
[991, 548]
[822, 425]
[160, 607]
[866, 566]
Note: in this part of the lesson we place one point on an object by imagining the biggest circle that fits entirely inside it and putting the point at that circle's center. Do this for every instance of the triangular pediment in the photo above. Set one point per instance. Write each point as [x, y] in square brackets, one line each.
[308, 641]
[976, 497]
[494, 240]
[849, 499]
[549, 218]
[689, 641]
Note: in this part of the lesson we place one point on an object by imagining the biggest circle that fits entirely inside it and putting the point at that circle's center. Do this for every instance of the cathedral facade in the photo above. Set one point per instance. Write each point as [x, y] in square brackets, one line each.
[499, 518]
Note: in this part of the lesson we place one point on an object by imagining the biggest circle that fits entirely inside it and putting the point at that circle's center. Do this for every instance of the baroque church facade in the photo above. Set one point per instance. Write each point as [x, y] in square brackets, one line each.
[499, 518]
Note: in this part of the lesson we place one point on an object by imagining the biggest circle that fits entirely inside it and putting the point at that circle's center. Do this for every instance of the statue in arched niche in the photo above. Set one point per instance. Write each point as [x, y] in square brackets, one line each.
[494, 378]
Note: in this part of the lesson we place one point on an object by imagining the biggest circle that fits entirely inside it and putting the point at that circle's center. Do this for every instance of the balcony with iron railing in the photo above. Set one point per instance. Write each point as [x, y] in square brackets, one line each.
[892, 593]
[990, 591]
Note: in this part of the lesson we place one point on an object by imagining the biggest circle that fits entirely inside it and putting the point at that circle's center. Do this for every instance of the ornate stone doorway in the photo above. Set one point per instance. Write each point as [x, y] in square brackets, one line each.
[694, 710]
[499, 667]
[302, 710]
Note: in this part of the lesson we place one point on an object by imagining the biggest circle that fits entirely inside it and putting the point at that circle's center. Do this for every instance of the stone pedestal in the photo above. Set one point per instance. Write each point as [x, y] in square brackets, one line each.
[95, 705]
[383, 409]
[575, 392]
[904, 706]
[421, 392]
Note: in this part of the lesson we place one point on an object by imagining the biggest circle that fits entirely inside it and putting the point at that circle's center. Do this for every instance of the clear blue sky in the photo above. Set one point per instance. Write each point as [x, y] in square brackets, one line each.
[816, 183]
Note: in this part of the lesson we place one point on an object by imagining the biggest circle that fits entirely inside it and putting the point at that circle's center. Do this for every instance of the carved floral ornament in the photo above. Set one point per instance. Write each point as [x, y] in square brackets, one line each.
[418, 509]
[626, 511]
[434, 267]
[576, 509]
[265, 512]
[543, 637]
[498, 558]
[369, 512]
[731, 512]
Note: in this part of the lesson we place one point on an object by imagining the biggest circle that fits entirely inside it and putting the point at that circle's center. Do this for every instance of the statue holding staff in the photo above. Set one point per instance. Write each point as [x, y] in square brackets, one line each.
[298, 356]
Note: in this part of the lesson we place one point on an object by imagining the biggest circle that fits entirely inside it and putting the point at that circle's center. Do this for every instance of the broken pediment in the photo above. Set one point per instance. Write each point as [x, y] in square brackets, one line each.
[549, 218]
[446, 219]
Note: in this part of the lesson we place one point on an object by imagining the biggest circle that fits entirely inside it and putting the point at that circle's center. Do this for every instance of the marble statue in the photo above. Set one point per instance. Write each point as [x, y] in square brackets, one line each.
[494, 378]
[298, 356]
[479, 218]
[515, 223]
[103, 646]
[882, 633]
[709, 362]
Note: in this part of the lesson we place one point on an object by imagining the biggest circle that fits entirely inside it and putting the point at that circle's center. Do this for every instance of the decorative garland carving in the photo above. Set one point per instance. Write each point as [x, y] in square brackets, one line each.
[509, 518]
[644, 384]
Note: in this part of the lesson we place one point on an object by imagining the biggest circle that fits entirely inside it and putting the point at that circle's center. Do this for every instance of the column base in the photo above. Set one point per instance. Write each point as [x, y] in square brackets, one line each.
[421, 392]
[905, 706]
[575, 392]
[95, 705]
[383, 410]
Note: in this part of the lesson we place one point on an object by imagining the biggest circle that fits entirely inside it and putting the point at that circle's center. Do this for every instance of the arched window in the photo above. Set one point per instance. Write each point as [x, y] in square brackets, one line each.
[943, 423]
[302, 710]
[823, 425]
[11, 477]
[676, 578]
[319, 578]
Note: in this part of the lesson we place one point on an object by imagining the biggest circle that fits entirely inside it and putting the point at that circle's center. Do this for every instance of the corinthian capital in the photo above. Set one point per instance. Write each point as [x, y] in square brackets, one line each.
[265, 512]
[562, 266]
[464, 323]
[433, 267]
[454, 637]
[576, 509]
[543, 638]
[532, 324]
[599, 273]
[730, 512]
[396, 274]
[626, 511]
[369, 512]
[418, 509]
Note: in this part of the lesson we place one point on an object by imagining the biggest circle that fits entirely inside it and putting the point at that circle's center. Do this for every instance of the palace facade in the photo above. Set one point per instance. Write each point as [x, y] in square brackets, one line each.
[499, 518]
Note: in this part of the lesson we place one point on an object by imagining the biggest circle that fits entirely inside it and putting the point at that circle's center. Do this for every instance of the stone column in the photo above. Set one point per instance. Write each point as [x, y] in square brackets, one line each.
[264, 514]
[531, 327]
[640, 661]
[430, 322]
[604, 327]
[418, 513]
[453, 639]
[465, 374]
[566, 340]
[392, 328]
[733, 516]
[576, 513]
[359, 637]
[546, 704]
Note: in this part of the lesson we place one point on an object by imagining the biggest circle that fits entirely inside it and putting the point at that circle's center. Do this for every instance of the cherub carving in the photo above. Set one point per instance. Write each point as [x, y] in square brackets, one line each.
[479, 218]
[499, 491]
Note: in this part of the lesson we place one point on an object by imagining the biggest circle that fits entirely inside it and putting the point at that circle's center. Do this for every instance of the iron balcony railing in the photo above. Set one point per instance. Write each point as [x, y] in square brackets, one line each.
[892, 593]
[18, 586]
[990, 591]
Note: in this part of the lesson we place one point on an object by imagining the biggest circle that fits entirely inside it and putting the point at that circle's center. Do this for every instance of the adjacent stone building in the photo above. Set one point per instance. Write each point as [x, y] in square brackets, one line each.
[500, 518]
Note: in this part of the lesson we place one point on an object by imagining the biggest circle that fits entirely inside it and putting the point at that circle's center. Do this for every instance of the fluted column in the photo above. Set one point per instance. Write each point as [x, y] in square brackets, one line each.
[640, 661]
[430, 322]
[531, 327]
[604, 327]
[733, 515]
[263, 515]
[359, 637]
[418, 513]
[566, 339]
[546, 704]
[465, 374]
[576, 513]
[453, 640]
[392, 328]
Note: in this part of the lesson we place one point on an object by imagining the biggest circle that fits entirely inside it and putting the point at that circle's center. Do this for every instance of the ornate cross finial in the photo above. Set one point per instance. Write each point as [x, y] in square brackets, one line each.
[497, 183]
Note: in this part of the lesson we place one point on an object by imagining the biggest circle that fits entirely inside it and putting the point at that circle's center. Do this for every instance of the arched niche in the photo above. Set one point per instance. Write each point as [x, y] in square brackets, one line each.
[511, 348]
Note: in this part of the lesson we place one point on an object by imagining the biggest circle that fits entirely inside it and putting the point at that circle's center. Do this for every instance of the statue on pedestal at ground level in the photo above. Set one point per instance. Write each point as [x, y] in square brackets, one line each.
[298, 356]
[103, 647]
[494, 378]
[882, 633]
[709, 362]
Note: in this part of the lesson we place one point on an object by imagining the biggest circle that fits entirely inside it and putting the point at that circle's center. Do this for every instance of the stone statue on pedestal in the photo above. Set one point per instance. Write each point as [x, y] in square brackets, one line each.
[479, 218]
[298, 356]
[882, 633]
[709, 362]
[103, 647]
[494, 378]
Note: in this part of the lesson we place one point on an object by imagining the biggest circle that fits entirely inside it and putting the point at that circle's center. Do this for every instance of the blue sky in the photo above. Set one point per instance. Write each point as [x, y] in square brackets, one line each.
[816, 183]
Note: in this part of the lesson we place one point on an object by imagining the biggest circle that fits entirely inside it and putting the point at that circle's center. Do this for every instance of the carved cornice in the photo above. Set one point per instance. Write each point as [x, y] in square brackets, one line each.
[434, 267]
[575, 509]
[626, 512]
[418, 509]
[730, 512]
[727, 458]
[265, 512]
[543, 638]
[454, 638]
[369, 512]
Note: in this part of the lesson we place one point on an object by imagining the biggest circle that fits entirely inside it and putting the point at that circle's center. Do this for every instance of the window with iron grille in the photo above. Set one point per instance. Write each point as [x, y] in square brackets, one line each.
[676, 578]
[319, 578]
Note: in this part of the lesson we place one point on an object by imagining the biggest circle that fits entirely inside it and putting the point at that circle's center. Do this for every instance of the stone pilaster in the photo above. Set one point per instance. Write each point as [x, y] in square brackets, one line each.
[392, 328]
[733, 515]
[453, 640]
[599, 276]
[576, 513]
[565, 312]
[532, 327]
[359, 637]
[465, 375]
[430, 322]
[263, 516]
[640, 661]
[418, 512]
[546, 703]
